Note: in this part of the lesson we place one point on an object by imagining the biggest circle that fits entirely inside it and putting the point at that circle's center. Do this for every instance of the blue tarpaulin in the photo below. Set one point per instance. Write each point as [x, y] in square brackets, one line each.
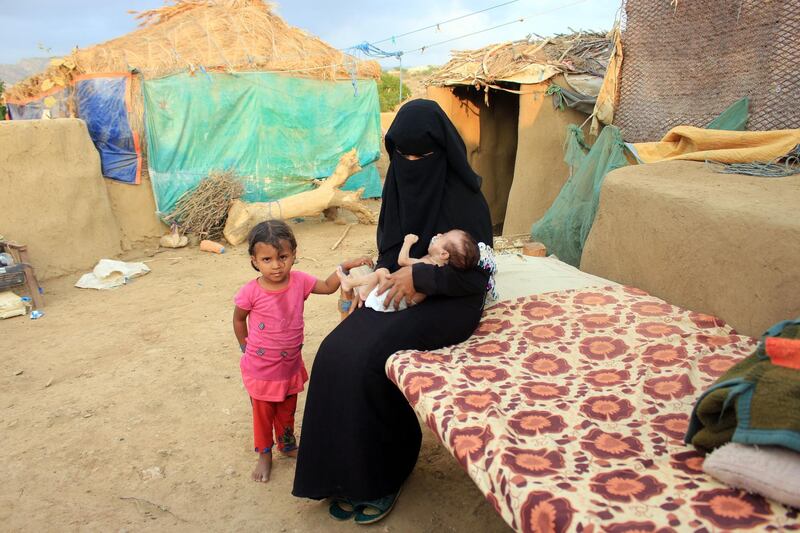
[55, 105]
[103, 103]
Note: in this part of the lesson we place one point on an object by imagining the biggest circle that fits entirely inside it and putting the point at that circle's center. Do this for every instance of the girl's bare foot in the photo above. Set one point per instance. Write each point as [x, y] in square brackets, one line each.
[291, 453]
[343, 279]
[263, 467]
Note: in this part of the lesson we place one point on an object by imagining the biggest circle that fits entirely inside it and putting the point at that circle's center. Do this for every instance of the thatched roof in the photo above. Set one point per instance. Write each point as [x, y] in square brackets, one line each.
[527, 60]
[226, 35]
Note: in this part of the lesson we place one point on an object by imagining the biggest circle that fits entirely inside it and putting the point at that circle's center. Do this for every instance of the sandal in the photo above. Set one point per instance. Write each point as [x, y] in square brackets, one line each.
[383, 506]
[338, 509]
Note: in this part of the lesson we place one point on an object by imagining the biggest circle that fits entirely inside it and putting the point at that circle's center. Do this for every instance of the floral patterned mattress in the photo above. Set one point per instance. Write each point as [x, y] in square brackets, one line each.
[568, 411]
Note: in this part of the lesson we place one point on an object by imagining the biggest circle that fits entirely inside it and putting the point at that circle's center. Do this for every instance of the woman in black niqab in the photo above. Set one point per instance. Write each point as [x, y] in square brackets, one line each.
[360, 437]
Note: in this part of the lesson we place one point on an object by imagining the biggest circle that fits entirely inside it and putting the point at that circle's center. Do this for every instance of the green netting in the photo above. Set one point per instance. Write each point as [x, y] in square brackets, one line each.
[275, 132]
[565, 226]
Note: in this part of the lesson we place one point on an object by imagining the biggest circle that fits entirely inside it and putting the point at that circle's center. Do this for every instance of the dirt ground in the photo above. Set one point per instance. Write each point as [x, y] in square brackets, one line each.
[124, 410]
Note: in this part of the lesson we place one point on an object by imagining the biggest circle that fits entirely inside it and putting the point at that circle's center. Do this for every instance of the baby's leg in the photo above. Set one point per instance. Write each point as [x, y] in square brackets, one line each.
[350, 282]
[263, 416]
[284, 425]
[374, 280]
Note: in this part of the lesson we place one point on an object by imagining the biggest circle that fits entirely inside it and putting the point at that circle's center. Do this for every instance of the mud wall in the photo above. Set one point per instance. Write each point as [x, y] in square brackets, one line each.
[516, 144]
[135, 211]
[383, 163]
[539, 169]
[53, 197]
[490, 135]
[727, 245]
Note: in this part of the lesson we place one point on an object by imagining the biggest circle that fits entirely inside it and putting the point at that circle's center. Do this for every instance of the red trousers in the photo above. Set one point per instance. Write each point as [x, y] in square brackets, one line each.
[277, 416]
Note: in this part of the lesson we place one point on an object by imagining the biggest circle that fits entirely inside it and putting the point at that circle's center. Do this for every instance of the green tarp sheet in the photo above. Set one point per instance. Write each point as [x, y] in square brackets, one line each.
[275, 132]
[734, 118]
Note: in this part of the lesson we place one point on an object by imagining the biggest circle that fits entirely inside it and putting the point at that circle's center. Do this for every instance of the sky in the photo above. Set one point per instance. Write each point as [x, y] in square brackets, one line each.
[38, 28]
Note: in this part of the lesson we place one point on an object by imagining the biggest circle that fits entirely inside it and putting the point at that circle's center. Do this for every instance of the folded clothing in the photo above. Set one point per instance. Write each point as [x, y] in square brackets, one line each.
[770, 471]
[757, 401]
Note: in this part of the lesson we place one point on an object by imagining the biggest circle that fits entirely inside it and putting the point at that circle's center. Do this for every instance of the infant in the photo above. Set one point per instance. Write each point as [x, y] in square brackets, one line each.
[456, 248]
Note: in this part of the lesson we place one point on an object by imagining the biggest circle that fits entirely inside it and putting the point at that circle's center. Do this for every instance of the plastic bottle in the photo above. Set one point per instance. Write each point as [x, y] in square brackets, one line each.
[211, 246]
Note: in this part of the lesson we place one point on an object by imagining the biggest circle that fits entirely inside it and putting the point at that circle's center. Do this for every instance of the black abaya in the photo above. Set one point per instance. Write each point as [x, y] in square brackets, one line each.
[360, 438]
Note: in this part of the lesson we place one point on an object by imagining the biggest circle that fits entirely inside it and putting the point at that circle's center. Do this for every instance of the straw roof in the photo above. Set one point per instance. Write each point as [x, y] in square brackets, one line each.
[527, 61]
[217, 35]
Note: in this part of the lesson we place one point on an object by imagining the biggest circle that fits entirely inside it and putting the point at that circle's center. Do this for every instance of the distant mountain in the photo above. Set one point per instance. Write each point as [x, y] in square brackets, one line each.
[11, 74]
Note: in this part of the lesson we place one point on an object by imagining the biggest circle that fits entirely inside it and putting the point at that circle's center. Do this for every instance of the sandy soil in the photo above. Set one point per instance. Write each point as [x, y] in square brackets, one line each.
[124, 410]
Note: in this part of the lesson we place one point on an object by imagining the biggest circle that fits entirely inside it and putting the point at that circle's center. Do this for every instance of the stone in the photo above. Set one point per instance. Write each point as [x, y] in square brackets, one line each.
[154, 472]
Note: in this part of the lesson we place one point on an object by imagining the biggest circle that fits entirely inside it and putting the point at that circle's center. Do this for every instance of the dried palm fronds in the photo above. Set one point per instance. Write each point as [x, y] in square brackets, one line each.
[576, 53]
[204, 209]
[513, 242]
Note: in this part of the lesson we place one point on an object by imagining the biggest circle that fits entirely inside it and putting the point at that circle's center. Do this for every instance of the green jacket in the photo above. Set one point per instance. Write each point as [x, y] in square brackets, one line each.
[755, 402]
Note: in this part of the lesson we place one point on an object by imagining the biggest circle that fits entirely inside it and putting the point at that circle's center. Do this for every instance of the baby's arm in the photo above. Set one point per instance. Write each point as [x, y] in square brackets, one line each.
[403, 259]
[240, 326]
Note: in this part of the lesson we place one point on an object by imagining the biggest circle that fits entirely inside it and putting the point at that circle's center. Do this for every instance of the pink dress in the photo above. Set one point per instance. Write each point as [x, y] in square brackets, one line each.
[272, 364]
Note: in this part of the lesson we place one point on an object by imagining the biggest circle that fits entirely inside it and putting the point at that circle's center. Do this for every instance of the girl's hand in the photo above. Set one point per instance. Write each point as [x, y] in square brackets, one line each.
[353, 263]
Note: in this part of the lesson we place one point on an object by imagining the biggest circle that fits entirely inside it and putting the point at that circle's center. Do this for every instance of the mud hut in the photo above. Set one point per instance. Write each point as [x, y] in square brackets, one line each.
[512, 103]
[211, 85]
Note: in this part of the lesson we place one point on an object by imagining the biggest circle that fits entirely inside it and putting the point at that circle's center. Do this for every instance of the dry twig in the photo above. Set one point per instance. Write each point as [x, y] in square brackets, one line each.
[344, 234]
[204, 209]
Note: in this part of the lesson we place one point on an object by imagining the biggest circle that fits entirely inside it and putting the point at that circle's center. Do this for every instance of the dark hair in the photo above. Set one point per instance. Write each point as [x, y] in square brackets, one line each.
[466, 254]
[271, 232]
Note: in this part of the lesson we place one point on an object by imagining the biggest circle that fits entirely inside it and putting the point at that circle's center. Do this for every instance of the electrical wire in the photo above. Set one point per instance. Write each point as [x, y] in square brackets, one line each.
[438, 24]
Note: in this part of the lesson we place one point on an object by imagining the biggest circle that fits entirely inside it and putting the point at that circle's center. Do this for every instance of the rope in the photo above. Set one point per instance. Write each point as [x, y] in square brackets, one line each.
[521, 19]
[400, 99]
[781, 167]
[393, 38]
[371, 50]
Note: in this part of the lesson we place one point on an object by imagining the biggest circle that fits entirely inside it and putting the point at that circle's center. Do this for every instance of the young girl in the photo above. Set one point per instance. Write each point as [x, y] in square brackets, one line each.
[268, 323]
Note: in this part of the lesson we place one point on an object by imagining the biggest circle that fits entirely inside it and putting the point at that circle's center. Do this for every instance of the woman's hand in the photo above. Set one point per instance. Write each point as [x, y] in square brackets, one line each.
[360, 261]
[400, 285]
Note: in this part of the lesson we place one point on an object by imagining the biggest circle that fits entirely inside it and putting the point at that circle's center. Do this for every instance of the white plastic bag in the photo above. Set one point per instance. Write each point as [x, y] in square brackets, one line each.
[110, 273]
